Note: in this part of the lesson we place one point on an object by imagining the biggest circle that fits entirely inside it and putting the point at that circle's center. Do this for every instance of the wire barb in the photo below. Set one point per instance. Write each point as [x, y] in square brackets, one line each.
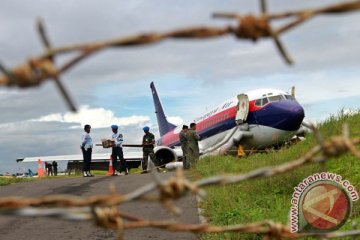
[263, 6]
[8, 74]
[47, 45]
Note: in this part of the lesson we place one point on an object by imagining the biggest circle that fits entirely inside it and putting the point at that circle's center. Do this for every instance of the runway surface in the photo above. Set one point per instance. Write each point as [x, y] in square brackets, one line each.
[18, 228]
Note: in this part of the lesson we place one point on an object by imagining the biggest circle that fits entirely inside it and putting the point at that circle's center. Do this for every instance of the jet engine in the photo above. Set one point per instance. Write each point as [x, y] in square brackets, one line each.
[164, 154]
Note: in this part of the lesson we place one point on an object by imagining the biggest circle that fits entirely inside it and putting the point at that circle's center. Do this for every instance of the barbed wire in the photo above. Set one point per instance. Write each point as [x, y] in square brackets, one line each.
[249, 27]
[103, 210]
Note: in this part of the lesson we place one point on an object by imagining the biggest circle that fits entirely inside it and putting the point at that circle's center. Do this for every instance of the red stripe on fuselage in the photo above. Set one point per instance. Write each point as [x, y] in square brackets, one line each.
[215, 119]
[171, 137]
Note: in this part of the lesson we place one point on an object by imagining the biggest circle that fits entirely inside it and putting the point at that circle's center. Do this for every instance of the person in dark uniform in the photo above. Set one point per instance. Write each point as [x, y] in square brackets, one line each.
[184, 146]
[148, 149]
[86, 148]
[49, 170]
[117, 151]
[46, 168]
[55, 166]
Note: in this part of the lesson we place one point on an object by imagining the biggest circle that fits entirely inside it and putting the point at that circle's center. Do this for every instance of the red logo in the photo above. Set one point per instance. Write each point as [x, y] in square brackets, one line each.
[324, 206]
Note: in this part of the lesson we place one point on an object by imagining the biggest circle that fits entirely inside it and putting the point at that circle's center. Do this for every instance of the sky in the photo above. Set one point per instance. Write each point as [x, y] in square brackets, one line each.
[112, 87]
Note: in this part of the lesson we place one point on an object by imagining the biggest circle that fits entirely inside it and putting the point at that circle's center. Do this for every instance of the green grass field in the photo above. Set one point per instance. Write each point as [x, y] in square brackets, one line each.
[269, 198]
[9, 180]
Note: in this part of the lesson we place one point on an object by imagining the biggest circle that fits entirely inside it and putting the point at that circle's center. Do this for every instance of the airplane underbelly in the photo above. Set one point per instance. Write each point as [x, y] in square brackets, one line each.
[213, 140]
[264, 136]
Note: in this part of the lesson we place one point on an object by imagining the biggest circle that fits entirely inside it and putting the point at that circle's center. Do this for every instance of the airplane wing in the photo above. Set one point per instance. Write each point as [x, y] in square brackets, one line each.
[128, 156]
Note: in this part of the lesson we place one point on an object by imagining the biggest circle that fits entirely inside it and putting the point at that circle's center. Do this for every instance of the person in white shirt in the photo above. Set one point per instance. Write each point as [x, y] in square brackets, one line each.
[117, 151]
[86, 148]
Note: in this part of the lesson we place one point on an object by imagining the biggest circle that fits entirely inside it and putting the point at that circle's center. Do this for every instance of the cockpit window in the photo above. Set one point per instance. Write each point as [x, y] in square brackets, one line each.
[264, 101]
[270, 98]
[261, 102]
[289, 97]
[275, 98]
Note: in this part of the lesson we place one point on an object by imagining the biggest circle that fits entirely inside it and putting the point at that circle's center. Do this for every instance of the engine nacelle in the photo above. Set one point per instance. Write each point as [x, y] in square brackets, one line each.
[164, 154]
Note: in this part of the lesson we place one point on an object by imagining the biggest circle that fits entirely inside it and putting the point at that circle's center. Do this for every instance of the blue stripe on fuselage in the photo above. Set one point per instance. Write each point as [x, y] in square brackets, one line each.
[217, 128]
[285, 115]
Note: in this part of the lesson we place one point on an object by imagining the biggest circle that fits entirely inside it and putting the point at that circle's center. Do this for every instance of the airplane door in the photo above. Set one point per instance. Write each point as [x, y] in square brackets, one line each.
[242, 108]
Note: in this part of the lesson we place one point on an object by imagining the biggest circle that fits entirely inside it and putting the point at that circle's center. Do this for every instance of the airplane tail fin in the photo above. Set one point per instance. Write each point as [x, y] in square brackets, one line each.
[164, 125]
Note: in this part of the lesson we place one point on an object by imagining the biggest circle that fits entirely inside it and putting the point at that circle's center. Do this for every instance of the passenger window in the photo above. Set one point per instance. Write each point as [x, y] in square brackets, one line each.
[258, 102]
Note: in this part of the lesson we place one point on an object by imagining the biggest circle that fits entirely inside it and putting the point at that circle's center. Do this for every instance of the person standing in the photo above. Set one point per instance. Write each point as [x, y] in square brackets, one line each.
[86, 148]
[184, 146]
[117, 151]
[49, 171]
[55, 165]
[46, 169]
[193, 145]
[148, 148]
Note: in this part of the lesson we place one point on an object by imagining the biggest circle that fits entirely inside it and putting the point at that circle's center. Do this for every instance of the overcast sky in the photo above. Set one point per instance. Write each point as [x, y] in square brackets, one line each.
[112, 87]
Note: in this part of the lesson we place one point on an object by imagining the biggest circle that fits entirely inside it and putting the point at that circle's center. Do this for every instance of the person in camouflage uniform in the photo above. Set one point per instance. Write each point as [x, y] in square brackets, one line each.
[193, 145]
[184, 146]
[148, 148]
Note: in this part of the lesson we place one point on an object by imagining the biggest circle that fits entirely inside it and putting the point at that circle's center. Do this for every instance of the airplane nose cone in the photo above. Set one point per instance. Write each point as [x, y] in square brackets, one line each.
[296, 117]
[289, 115]
[285, 115]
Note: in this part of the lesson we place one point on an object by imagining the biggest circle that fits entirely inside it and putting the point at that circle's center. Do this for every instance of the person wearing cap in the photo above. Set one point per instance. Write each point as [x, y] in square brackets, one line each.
[184, 146]
[193, 145]
[148, 148]
[117, 151]
[86, 148]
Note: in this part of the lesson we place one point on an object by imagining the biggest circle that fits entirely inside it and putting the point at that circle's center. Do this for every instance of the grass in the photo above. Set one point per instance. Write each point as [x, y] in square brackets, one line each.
[9, 180]
[269, 198]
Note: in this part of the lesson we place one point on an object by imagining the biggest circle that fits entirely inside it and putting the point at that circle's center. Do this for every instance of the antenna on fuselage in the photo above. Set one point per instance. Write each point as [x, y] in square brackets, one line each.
[293, 91]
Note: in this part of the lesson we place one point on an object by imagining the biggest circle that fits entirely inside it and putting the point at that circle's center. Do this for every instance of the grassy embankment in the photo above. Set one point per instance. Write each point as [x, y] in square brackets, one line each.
[269, 198]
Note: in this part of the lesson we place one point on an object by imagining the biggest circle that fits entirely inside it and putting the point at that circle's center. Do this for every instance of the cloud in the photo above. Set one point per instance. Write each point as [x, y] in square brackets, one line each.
[96, 117]
[175, 120]
[350, 111]
[7, 125]
[191, 75]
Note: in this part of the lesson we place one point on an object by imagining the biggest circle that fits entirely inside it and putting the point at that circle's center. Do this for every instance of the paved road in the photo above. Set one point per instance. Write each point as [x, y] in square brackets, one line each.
[45, 228]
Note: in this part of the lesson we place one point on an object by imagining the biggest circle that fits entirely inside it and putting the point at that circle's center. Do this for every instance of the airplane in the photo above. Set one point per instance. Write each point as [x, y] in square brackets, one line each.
[252, 120]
